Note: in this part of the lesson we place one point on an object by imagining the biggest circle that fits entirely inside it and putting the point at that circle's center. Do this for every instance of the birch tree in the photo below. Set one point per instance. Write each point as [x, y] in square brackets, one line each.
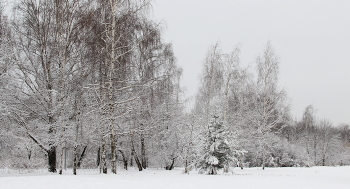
[211, 82]
[48, 51]
[119, 45]
[137, 64]
[270, 100]
[35, 59]
[231, 72]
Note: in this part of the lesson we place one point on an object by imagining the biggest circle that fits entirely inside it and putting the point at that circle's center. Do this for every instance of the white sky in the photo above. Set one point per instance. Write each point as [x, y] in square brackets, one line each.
[311, 37]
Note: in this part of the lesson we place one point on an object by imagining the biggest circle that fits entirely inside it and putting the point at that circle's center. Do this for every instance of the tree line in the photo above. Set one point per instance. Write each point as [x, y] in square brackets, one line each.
[251, 114]
[91, 83]
[85, 76]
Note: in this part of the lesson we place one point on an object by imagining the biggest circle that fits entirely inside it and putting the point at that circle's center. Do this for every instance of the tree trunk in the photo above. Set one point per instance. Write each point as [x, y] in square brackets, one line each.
[135, 155]
[103, 157]
[75, 160]
[51, 153]
[171, 167]
[61, 159]
[98, 156]
[63, 147]
[143, 152]
[137, 162]
[111, 37]
[81, 157]
[241, 161]
[132, 159]
[113, 151]
[76, 147]
[125, 160]
[323, 162]
[264, 159]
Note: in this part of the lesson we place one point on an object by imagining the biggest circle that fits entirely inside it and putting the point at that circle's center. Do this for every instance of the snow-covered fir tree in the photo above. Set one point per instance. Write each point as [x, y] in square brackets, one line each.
[217, 152]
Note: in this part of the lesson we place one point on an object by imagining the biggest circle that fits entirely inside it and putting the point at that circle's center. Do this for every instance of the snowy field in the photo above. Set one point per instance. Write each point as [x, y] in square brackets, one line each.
[284, 178]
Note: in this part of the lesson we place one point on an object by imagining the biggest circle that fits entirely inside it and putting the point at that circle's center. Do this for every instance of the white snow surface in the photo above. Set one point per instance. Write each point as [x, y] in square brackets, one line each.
[279, 178]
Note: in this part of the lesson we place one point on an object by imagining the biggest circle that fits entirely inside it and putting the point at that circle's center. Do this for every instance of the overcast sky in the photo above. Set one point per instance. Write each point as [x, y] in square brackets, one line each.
[311, 37]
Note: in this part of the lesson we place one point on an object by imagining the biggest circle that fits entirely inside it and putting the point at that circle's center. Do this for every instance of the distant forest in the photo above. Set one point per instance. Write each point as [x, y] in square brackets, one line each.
[92, 84]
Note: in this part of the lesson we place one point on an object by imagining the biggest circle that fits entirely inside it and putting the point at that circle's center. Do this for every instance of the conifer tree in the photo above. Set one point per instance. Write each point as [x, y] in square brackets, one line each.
[217, 154]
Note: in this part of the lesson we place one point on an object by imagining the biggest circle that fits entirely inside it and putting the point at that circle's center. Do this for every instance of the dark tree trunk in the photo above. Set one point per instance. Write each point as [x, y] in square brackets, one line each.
[172, 164]
[137, 161]
[171, 167]
[132, 159]
[323, 161]
[81, 157]
[103, 158]
[125, 160]
[75, 160]
[51, 153]
[98, 156]
[143, 152]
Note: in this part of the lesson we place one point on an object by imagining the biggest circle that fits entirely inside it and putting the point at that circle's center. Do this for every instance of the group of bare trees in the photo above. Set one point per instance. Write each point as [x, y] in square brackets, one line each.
[320, 142]
[88, 76]
[250, 110]
[255, 111]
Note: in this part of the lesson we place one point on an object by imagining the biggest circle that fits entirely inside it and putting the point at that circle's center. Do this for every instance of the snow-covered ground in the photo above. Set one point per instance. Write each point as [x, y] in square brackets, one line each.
[281, 178]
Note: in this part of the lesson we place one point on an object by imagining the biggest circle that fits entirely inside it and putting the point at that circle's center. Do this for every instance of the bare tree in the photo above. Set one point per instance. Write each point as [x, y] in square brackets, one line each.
[270, 101]
[136, 76]
[211, 81]
[231, 72]
[35, 61]
[309, 132]
[48, 54]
